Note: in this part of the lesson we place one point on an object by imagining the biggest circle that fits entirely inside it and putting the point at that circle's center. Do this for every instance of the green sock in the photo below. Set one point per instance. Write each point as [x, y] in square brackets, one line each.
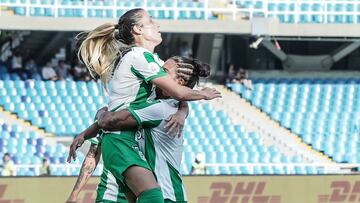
[151, 196]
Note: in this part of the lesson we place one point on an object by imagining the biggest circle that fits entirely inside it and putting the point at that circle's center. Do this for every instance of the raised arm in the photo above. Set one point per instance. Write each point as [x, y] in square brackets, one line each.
[118, 120]
[89, 164]
[182, 93]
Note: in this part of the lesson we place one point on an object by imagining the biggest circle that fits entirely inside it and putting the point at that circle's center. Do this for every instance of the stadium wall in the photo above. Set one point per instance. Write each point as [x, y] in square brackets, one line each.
[203, 189]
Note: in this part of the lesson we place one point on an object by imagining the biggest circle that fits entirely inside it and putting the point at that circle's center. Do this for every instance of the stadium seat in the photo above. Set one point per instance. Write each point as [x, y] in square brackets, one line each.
[313, 112]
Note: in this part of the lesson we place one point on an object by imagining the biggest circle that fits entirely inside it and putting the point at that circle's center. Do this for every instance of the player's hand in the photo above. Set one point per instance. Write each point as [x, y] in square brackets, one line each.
[100, 111]
[175, 124]
[211, 93]
[77, 142]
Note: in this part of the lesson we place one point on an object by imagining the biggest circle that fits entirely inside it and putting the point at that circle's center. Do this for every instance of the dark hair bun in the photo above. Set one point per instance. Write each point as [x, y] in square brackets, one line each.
[202, 69]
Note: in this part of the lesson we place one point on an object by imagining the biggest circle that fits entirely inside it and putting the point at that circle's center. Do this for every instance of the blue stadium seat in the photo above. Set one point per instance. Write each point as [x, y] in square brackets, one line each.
[312, 109]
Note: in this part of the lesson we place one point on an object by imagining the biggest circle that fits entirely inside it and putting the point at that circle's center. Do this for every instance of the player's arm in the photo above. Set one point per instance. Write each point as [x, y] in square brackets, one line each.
[182, 93]
[130, 118]
[90, 132]
[183, 109]
[89, 164]
[147, 68]
[118, 120]
[175, 123]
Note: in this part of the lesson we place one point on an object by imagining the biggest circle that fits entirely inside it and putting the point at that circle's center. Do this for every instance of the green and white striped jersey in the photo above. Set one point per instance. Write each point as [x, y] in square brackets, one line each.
[130, 84]
[162, 152]
[108, 189]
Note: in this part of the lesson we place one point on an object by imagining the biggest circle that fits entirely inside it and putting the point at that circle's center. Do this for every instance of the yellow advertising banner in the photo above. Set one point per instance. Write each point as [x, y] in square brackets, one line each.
[202, 189]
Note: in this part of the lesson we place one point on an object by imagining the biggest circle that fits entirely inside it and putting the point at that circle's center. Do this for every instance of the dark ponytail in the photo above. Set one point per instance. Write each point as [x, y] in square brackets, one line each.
[200, 68]
[190, 70]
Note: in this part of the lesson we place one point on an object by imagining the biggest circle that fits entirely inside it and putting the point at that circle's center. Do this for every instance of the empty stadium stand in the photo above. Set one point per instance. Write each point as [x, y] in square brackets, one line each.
[28, 148]
[65, 108]
[323, 112]
[304, 11]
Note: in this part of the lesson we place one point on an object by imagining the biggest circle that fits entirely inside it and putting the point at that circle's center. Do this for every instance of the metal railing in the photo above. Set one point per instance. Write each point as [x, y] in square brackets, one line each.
[235, 10]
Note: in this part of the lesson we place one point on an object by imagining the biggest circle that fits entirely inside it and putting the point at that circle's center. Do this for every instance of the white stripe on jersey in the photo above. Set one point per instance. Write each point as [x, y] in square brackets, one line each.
[112, 188]
[163, 175]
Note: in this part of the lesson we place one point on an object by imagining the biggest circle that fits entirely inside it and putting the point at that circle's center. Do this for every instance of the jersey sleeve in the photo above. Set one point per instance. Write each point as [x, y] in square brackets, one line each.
[147, 67]
[150, 116]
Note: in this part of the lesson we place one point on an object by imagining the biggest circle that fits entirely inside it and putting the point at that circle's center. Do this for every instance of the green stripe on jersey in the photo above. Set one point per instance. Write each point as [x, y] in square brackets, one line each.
[150, 153]
[135, 116]
[144, 92]
[151, 124]
[122, 190]
[137, 73]
[176, 183]
[159, 74]
[150, 58]
[102, 185]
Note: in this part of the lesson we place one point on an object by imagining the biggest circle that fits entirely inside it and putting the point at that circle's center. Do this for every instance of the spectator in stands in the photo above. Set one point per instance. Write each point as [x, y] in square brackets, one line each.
[231, 75]
[62, 70]
[185, 49]
[17, 65]
[198, 167]
[8, 166]
[80, 72]
[31, 68]
[48, 73]
[242, 78]
[45, 168]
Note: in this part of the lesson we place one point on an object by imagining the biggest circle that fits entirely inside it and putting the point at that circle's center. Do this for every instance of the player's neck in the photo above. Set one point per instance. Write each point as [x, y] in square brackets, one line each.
[147, 45]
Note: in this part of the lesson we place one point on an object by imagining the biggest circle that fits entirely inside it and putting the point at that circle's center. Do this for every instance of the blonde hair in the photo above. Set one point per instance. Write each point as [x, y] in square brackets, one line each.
[99, 50]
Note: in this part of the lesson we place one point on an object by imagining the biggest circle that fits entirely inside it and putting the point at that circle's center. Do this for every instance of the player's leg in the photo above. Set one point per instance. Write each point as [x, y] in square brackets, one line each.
[109, 190]
[123, 158]
[130, 197]
[142, 182]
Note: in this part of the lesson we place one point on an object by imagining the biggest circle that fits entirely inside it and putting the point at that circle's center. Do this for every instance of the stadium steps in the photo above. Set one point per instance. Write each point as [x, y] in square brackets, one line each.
[253, 119]
[12, 118]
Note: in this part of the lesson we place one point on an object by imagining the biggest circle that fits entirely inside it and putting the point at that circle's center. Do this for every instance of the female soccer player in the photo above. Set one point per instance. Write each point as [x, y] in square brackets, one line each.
[122, 57]
[156, 140]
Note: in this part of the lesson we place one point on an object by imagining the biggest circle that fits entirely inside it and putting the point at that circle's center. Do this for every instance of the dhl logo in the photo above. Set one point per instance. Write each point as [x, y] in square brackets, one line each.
[2, 192]
[342, 191]
[242, 192]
